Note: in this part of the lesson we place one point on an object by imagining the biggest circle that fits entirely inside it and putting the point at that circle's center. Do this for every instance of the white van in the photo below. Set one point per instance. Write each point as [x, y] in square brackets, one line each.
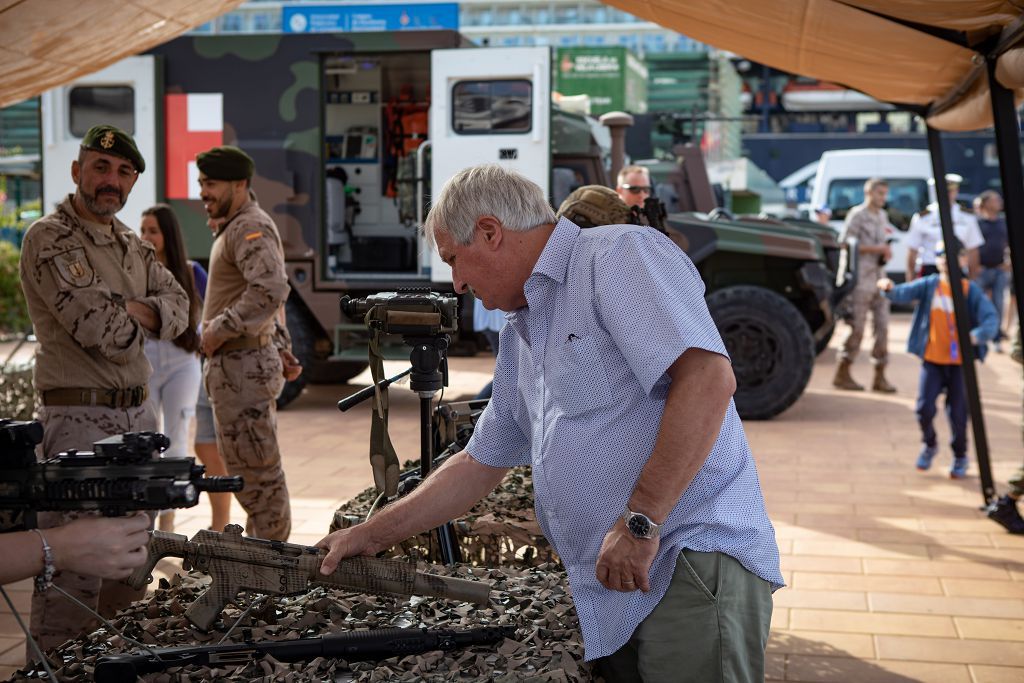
[839, 184]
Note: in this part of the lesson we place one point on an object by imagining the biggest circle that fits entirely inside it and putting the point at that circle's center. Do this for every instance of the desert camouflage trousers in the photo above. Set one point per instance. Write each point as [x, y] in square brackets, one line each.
[861, 303]
[243, 387]
[55, 618]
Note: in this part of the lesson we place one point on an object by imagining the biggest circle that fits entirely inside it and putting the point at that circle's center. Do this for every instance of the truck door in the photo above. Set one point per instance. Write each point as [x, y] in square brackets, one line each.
[489, 105]
[123, 95]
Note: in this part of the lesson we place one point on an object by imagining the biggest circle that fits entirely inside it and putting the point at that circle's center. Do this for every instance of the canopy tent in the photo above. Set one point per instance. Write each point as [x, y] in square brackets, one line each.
[45, 43]
[927, 55]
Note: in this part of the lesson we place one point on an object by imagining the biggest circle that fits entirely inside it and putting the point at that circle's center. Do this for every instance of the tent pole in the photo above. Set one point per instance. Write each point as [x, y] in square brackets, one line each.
[1004, 114]
[963, 324]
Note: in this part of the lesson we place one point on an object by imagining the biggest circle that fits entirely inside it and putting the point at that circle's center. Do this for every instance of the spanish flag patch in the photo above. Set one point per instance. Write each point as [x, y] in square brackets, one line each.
[254, 235]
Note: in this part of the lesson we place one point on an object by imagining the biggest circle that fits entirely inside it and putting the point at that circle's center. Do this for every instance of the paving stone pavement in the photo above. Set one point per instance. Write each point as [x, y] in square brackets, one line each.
[893, 575]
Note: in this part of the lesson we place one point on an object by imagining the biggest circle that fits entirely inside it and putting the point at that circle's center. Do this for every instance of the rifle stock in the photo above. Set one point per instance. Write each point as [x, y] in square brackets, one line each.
[238, 564]
[161, 544]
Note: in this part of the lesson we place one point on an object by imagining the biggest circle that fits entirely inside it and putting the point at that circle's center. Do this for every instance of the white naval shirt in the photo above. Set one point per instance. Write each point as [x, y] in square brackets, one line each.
[925, 232]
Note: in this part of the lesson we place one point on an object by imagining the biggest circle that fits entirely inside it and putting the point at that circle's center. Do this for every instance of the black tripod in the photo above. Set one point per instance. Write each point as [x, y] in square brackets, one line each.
[428, 375]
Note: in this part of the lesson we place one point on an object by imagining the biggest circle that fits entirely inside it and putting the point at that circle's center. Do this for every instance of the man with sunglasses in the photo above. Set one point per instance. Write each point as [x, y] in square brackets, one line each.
[634, 185]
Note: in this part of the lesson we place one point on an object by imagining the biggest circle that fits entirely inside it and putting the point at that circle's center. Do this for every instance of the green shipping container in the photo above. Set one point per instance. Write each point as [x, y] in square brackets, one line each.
[613, 77]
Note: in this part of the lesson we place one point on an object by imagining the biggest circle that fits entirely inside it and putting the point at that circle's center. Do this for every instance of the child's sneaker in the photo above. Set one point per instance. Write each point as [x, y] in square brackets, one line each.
[924, 461]
[959, 469]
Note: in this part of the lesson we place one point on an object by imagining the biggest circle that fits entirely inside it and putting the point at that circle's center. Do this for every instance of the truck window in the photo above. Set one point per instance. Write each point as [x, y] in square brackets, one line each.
[92, 105]
[907, 196]
[493, 106]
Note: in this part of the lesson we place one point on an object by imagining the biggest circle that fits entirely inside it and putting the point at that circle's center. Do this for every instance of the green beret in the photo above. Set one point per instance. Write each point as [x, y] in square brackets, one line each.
[591, 206]
[225, 163]
[112, 140]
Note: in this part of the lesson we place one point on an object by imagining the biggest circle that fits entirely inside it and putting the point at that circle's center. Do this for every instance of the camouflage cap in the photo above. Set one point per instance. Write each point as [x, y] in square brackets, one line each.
[226, 162]
[593, 205]
[113, 140]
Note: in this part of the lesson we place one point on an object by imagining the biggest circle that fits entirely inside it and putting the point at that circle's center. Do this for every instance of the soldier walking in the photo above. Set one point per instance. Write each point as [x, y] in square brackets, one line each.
[246, 344]
[868, 223]
[94, 290]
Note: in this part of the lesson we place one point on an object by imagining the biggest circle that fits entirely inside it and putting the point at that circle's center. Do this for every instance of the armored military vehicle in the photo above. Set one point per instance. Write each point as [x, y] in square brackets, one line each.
[350, 132]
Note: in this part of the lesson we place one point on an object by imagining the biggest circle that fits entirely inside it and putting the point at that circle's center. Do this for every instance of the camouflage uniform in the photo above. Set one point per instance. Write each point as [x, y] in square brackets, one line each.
[869, 227]
[77, 276]
[247, 287]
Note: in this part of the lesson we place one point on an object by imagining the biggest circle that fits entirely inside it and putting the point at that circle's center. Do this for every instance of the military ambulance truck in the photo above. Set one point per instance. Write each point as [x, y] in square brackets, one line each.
[349, 133]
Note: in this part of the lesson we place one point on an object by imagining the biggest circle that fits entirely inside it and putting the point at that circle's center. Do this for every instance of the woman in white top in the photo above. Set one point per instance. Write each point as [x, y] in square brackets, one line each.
[176, 374]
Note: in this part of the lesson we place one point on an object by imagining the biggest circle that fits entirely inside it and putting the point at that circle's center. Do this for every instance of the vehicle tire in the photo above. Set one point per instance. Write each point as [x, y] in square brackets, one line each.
[316, 369]
[771, 347]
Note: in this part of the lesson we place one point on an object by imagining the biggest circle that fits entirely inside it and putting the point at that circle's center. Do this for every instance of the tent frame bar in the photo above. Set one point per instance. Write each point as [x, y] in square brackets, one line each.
[963, 324]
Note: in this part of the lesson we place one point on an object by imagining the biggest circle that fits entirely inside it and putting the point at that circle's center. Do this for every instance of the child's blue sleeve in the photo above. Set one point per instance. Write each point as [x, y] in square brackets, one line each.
[908, 291]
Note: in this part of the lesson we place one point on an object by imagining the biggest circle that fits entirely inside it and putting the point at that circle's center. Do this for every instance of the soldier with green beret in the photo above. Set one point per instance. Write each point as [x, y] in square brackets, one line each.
[226, 162]
[244, 338]
[94, 292]
[113, 140]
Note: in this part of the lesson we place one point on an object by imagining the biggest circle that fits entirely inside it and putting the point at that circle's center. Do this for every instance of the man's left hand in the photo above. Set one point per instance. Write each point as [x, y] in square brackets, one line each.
[210, 342]
[291, 368]
[624, 562]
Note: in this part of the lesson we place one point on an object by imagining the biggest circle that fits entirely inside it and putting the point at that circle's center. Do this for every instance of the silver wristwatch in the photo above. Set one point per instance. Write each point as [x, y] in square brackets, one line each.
[640, 525]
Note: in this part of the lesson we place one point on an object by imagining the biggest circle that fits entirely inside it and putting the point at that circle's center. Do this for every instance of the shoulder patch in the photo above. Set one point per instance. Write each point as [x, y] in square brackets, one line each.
[73, 267]
[253, 235]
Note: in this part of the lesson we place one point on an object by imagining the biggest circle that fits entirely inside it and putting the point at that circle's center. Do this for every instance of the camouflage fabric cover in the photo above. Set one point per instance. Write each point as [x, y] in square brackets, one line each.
[499, 531]
[593, 205]
[547, 645]
[17, 395]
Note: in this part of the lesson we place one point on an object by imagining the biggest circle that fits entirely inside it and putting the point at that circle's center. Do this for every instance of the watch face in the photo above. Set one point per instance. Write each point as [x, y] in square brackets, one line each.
[640, 526]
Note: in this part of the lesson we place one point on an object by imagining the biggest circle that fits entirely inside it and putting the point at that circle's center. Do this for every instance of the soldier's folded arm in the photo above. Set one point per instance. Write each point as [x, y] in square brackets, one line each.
[262, 265]
[168, 300]
[94, 316]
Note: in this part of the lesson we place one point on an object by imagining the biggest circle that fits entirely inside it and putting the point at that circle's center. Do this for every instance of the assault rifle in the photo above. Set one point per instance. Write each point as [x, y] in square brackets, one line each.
[353, 646]
[121, 474]
[278, 568]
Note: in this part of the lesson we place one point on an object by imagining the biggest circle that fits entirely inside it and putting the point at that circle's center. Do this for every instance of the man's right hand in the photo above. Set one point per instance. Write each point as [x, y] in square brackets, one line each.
[344, 543]
[107, 547]
[884, 284]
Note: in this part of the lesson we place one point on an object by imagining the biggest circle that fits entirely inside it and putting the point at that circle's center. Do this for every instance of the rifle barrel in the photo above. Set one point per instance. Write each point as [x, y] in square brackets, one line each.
[348, 645]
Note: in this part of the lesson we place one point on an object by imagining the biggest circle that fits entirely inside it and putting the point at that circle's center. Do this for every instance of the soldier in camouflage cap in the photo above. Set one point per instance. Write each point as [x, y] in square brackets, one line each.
[591, 206]
[94, 291]
[244, 338]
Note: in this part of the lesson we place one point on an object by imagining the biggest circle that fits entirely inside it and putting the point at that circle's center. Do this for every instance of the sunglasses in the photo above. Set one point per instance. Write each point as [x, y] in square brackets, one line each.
[637, 189]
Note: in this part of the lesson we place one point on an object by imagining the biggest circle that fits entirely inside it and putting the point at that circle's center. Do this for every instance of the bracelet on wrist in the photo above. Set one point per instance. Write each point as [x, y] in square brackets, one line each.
[45, 579]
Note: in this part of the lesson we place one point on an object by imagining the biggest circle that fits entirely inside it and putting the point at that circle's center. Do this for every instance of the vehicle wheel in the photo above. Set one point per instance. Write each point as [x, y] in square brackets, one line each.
[770, 345]
[307, 335]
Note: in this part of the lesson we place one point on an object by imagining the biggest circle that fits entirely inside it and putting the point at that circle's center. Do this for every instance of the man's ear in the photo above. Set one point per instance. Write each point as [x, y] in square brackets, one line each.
[76, 171]
[491, 230]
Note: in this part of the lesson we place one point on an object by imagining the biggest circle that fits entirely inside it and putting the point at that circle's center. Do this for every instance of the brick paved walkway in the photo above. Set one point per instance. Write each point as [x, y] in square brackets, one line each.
[893, 574]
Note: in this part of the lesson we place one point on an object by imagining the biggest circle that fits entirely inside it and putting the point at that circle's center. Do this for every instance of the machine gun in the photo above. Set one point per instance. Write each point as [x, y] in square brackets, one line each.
[652, 213]
[121, 474]
[278, 568]
[373, 644]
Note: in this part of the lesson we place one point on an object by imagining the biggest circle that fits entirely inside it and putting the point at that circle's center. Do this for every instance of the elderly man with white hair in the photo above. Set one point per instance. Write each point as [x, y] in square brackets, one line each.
[613, 383]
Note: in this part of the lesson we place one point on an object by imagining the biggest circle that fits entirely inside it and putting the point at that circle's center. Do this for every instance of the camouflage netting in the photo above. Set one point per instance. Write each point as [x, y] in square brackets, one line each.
[547, 644]
[499, 531]
[17, 395]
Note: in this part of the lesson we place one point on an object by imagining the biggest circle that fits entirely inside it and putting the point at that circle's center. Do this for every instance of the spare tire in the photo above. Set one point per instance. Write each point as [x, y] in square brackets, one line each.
[771, 347]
